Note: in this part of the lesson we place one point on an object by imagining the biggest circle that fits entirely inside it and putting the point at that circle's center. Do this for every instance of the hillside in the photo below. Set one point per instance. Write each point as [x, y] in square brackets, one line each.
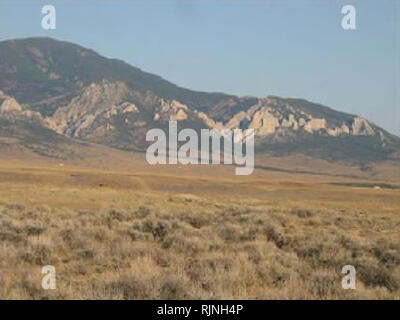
[62, 90]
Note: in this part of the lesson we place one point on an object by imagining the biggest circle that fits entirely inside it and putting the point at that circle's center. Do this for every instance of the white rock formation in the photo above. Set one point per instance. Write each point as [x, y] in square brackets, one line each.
[9, 105]
[361, 127]
[264, 122]
[315, 125]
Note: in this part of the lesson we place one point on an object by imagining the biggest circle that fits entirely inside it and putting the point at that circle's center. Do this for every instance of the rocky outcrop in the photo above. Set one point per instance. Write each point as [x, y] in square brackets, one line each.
[11, 109]
[210, 122]
[174, 109]
[315, 125]
[361, 127]
[271, 116]
[9, 105]
[97, 101]
[102, 108]
[337, 131]
[264, 122]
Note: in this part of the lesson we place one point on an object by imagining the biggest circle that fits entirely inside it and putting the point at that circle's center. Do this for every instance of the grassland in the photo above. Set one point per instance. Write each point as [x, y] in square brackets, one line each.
[154, 233]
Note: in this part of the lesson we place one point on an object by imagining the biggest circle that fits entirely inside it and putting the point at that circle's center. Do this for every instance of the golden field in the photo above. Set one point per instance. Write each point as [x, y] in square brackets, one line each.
[141, 232]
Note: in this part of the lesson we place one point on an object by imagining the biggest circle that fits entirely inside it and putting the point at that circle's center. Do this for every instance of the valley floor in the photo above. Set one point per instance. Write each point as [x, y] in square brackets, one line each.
[153, 233]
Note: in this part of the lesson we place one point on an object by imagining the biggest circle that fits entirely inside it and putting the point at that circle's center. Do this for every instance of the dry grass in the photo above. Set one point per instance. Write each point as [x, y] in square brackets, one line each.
[149, 237]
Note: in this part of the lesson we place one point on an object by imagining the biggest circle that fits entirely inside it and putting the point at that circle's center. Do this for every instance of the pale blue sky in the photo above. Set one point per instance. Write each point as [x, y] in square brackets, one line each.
[287, 48]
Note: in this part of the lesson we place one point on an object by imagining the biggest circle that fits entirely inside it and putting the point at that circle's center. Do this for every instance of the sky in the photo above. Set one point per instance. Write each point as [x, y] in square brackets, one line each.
[288, 48]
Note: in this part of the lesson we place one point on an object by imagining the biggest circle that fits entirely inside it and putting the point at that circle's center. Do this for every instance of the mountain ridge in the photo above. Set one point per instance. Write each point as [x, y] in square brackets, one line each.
[75, 92]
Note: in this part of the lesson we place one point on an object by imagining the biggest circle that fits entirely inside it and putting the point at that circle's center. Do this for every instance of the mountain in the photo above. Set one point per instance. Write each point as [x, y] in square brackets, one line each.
[55, 93]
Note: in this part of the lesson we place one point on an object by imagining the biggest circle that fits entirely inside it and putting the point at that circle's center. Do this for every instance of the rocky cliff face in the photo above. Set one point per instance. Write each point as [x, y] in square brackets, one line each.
[273, 115]
[109, 102]
[11, 109]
